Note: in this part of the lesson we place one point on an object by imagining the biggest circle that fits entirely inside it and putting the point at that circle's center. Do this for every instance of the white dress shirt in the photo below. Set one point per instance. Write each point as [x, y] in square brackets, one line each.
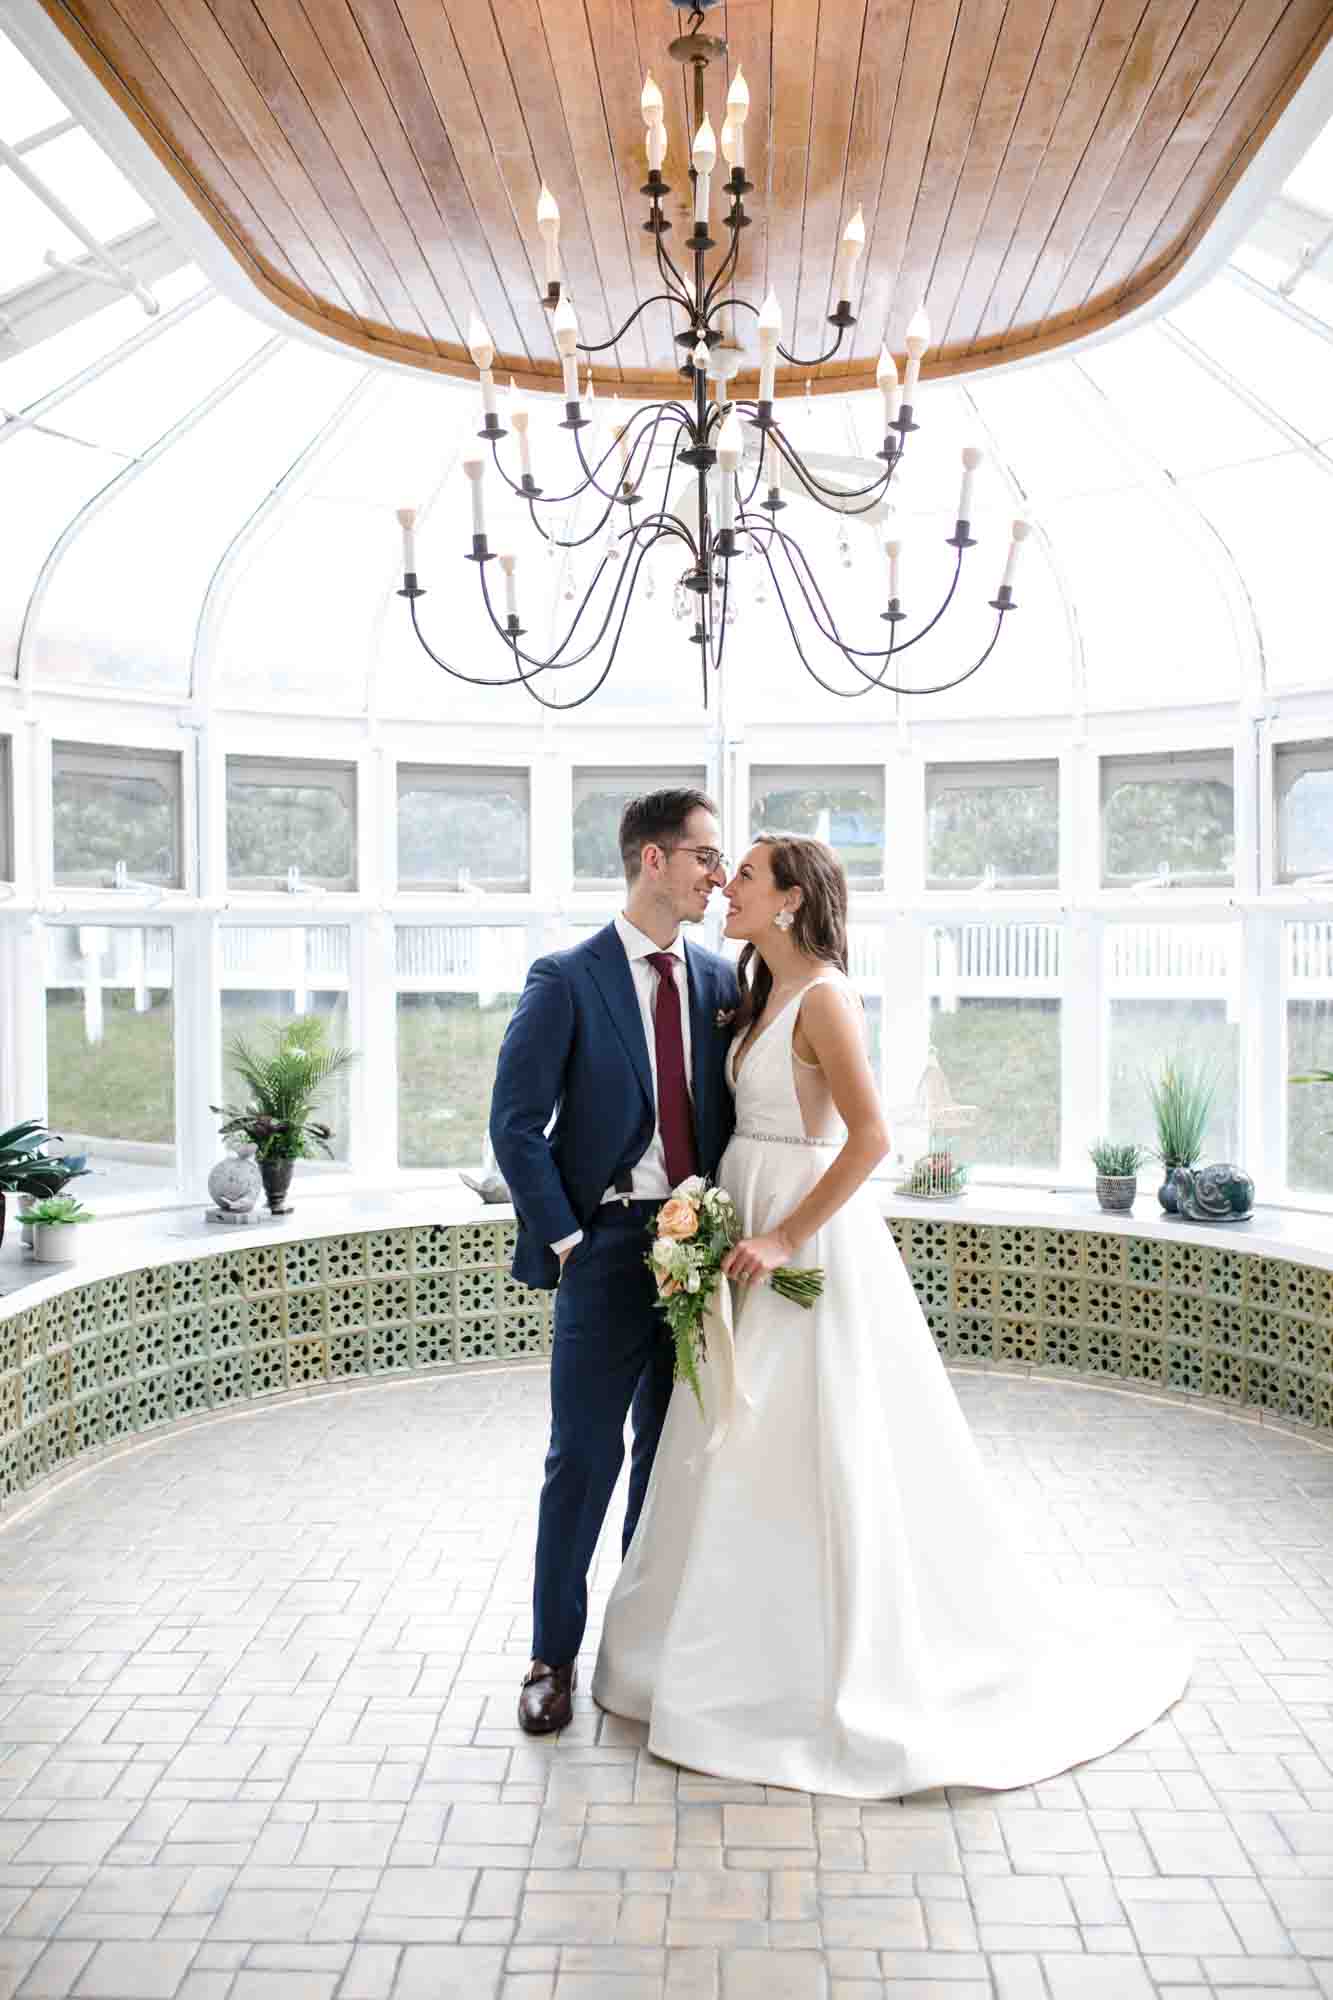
[649, 1180]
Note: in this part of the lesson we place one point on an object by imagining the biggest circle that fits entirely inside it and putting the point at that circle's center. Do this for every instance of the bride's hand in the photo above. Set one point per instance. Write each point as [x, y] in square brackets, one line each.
[754, 1257]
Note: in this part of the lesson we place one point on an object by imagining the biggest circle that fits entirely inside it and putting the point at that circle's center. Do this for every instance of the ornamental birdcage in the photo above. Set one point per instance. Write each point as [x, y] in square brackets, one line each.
[937, 1173]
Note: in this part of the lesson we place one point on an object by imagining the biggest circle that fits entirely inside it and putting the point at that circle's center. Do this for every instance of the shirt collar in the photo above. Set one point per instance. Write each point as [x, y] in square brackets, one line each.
[638, 945]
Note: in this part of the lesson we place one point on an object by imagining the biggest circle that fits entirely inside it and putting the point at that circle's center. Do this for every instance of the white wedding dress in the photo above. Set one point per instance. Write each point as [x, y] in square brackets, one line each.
[831, 1600]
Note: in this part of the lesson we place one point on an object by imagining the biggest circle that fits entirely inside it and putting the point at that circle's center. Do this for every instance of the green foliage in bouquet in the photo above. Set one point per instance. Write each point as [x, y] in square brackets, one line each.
[285, 1086]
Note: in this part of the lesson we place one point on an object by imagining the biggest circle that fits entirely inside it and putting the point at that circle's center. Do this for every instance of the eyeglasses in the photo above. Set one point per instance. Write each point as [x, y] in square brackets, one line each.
[711, 858]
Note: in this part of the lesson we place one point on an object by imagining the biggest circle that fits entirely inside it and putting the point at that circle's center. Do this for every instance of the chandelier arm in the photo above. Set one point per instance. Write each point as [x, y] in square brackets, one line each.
[682, 422]
[814, 360]
[872, 494]
[600, 346]
[473, 680]
[724, 271]
[830, 631]
[667, 267]
[843, 694]
[554, 662]
[600, 681]
[576, 493]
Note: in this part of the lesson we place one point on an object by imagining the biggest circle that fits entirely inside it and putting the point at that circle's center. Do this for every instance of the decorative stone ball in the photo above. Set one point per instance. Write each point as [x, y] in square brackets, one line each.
[1220, 1193]
[234, 1183]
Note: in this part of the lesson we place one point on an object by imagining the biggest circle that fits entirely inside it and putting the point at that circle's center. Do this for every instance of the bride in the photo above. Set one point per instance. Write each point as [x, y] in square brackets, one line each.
[829, 1600]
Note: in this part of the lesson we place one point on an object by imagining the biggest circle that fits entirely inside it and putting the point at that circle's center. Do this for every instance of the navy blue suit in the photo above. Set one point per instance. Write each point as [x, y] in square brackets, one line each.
[576, 1047]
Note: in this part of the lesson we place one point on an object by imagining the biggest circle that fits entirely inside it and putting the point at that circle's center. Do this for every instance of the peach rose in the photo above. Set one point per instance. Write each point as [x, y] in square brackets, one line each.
[678, 1219]
[667, 1287]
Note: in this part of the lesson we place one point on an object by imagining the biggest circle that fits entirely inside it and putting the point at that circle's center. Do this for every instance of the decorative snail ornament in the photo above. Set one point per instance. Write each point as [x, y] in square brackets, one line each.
[1220, 1193]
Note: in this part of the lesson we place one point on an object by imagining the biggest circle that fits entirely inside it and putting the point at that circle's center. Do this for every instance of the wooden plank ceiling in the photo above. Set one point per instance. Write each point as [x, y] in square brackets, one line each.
[1028, 168]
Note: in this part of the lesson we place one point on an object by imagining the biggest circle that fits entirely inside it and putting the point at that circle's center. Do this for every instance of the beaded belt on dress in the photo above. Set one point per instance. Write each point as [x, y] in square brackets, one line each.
[789, 1139]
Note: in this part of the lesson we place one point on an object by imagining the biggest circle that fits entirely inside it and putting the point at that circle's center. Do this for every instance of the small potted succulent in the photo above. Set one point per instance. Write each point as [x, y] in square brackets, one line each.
[56, 1226]
[1182, 1095]
[30, 1173]
[284, 1087]
[1117, 1173]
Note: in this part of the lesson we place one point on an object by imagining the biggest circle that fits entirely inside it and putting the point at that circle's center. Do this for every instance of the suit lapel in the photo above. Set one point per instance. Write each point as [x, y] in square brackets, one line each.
[615, 982]
[702, 1036]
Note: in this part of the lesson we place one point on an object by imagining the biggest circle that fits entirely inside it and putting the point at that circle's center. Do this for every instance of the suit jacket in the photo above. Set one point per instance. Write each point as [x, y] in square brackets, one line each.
[576, 1047]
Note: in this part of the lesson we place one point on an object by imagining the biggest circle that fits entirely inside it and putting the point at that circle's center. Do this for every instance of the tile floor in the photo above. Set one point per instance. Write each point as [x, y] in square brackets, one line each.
[257, 1688]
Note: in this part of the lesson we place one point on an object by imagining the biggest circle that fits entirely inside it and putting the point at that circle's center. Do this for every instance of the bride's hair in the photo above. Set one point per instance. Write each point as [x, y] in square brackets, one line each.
[820, 930]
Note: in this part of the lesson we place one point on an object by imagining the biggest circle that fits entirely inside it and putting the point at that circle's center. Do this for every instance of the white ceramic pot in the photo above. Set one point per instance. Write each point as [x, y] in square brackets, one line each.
[25, 1227]
[56, 1242]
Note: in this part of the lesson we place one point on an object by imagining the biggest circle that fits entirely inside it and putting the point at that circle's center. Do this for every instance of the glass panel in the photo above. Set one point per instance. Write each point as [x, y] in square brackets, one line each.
[458, 986]
[1001, 821]
[1272, 518]
[79, 174]
[1308, 962]
[27, 104]
[995, 997]
[460, 829]
[865, 957]
[1168, 995]
[282, 816]
[6, 809]
[271, 974]
[1303, 792]
[131, 406]
[600, 798]
[43, 483]
[35, 371]
[1312, 181]
[111, 807]
[1160, 814]
[154, 548]
[28, 230]
[843, 807]
[1285, 364]
[1186, 419]
[110, 1056]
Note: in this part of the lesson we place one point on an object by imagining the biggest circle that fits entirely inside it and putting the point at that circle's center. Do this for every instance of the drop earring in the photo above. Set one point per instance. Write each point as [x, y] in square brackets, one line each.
[784, 920]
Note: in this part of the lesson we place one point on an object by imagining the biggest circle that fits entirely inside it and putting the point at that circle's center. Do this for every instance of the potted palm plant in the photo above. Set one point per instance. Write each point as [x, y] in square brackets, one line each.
[56, 1229]
[30, 1173]
[1182, 1096]
[1117, 1173]
[285, 1085]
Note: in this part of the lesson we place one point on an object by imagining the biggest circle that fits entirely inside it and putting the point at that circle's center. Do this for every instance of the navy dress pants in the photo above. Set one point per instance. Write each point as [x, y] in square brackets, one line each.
[609, 1354]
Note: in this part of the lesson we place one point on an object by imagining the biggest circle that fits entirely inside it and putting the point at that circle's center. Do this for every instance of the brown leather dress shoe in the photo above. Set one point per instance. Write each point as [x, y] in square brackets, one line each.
[546, 1699]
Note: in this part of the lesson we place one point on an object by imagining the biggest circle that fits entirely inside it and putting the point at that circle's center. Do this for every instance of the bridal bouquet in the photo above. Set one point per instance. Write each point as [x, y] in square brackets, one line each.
[692, 1233]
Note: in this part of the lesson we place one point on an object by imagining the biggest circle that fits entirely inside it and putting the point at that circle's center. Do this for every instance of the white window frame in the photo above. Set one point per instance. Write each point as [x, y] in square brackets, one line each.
[116, 760]
[654, 777]
[349, 983]
[338, 774]
[465, 778]
[771, 767]
[1015, 773]
[1182, 766]
[1292, 760]
[7, 861]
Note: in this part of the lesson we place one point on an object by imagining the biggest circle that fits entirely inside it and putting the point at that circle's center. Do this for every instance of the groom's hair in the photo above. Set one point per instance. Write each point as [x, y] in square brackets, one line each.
[656, 820]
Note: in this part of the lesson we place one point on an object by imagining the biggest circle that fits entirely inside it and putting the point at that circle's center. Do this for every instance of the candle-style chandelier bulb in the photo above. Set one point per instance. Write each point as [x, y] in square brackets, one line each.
[479, 343]
[703, 153]
[730, 442]
[651, 103]
[738, 98]
[918, 334]
[565, 326]
[731, 143]
[853, 243]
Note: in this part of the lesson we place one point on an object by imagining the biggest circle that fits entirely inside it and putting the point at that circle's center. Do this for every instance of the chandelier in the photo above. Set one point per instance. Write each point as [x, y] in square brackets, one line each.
[706, 436]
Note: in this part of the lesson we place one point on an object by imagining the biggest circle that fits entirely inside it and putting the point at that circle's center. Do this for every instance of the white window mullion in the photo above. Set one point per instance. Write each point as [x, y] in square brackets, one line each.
[373, 1030]
[1083, 1090]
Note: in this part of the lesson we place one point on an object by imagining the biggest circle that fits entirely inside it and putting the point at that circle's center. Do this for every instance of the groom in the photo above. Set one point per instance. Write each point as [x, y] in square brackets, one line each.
[622, 1038]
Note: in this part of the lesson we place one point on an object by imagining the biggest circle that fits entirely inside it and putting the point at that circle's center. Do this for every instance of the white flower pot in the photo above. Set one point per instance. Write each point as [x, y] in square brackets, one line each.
[56, 1242]
[25, 1227]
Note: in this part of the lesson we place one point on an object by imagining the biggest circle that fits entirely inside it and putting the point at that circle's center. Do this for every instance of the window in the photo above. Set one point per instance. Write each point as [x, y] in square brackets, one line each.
[1303, 808]
[110, 1056]
[115, 816]
[1307, 956]
[271, 974]
[6, 809]
[1169, 817]
[995, 996]
[463, 828]
[600, 797]
[843, 806]
[993, 823]
[1170, 991]
[457, 987]
[285, 816]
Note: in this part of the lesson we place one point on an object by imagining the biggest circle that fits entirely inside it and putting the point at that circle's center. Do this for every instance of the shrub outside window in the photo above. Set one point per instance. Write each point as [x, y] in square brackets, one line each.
[995, 993]
[110, 1055]
[284, 815]
[1303, 809]
[458, 985]
[841, 805]
[1169, 817]
[600, 797]
[115, 816]
[993, 823]
[463, 828]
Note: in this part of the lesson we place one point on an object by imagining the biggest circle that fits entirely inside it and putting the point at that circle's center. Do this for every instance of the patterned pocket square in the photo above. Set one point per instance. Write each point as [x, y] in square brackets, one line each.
[724, 1017]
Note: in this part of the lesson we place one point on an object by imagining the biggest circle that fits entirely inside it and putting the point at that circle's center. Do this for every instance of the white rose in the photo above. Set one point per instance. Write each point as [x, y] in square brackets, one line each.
[691, 1189]
[662, 1253]
[692, 1282]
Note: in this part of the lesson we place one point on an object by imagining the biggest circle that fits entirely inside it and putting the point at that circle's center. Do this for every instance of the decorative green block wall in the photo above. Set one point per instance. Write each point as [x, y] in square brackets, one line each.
[129, 1354]
[1223, 1324]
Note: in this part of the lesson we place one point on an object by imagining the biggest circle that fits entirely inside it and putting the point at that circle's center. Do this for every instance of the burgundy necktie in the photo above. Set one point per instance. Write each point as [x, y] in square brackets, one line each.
[673, 1097]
